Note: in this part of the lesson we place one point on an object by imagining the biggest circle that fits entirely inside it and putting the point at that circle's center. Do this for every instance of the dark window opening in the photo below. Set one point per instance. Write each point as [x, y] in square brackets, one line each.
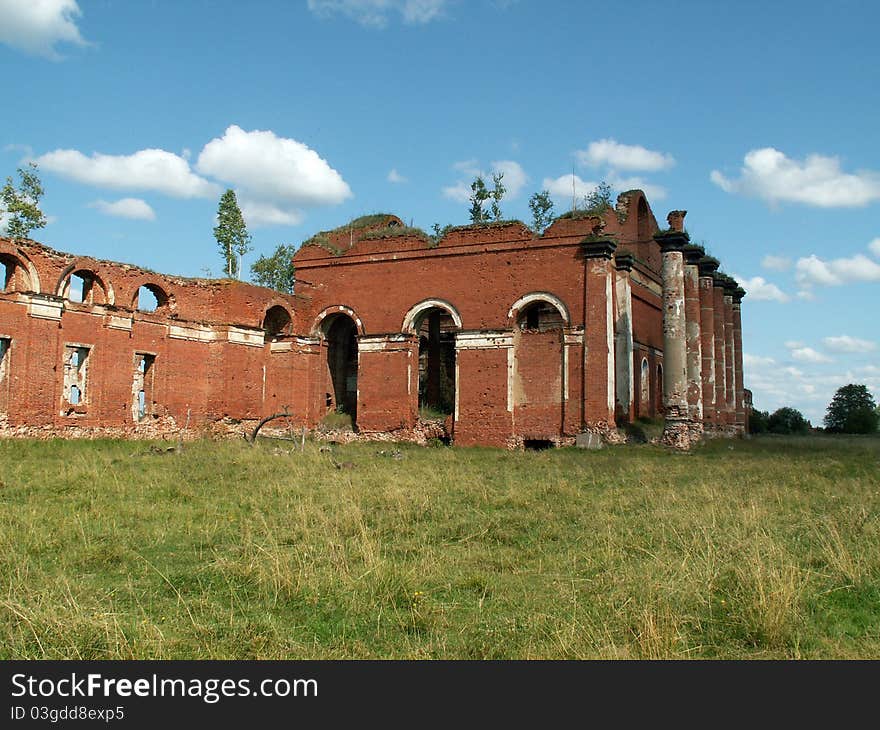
[537, 444]
[276, 323]
[437, 330]
[540, 317]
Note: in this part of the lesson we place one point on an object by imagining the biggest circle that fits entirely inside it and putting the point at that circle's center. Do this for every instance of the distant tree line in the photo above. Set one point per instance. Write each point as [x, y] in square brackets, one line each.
[852, 410]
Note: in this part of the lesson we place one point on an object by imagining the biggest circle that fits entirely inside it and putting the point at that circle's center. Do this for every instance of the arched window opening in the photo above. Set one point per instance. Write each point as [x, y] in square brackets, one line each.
[150, 298]
[658, 407]
[276, 323]
[340, 333]
[14, 276]
[84, 287]
[645, 384]
[436, 330]
[540, 316]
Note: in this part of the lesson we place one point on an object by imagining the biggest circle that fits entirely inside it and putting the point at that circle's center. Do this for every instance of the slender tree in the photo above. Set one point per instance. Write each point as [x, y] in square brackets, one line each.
[542, 210]
[479, 195]
[497, 194]
[275, 271]
[231, 233]
[599, 200]
[22, 205]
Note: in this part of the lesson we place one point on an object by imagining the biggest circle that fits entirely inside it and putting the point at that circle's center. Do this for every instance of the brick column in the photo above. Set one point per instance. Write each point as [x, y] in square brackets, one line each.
[623, 338]
[676, 423]
[707, 266]
[694, 356]
[720, 350]
[729, 357]
[738, 295]
[599, 374]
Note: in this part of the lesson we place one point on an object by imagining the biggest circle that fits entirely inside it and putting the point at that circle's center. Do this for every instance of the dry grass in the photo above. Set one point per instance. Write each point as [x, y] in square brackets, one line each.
[768, 548]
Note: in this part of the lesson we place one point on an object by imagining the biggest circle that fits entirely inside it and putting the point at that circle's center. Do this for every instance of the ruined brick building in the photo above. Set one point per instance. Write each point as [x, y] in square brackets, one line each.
[492, 335]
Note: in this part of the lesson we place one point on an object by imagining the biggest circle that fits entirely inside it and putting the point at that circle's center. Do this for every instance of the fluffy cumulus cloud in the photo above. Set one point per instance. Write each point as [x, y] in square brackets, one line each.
[759, 289]
[515, 178]
[564, 186]
[874, 247]
[133, 208]
[376, 13]
[808, 354]
[151, 169]
[813, 271]
[776, 263]
[272, 173]
[36, 27]
[395, 177]
[817, 180]
[756, 361]
[847, 344]
[654, 192]
[613, 154]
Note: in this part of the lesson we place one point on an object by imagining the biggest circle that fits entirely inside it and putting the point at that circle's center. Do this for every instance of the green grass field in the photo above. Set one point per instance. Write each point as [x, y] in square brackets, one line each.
[768, 548]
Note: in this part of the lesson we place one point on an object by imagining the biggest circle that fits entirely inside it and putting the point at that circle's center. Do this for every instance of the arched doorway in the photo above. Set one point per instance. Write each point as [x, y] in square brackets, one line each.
[340, 335]
[436, 324]
[539, 366]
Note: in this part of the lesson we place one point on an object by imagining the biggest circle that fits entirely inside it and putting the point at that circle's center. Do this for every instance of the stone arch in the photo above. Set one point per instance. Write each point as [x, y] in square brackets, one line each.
[643, 220]
[538, 308]
[319, 327]
[644, 384]
[436, 323]
[91, 294]
[416, 314]
[17, 271]
[537, 385]
[165, 301]
[339, 336]
[277, 322]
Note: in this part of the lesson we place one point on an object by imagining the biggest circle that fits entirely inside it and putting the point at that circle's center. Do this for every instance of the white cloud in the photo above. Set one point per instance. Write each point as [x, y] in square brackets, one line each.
[395, 177]
[623, 156]
[758, 289]
[794, 344]
[845, 343]
[278, 176]
[133, 208]
[515, 177]
[375, 13]
[654, 192]
[561, 187]
[874, 247]
[812, 270]
[150, 169]
[818, 180]
[808, 354]
[471, 168]
[757, 361]
[460, 192]
[776, 263]
[37, 26]
[257, 213]
[806, 295]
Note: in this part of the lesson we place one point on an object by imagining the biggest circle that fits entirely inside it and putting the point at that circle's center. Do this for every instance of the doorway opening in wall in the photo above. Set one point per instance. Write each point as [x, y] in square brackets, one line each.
[436, 330]
[340, 333]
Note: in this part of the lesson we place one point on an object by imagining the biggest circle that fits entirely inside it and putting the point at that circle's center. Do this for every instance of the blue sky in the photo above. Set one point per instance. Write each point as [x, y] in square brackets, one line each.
[760, 119]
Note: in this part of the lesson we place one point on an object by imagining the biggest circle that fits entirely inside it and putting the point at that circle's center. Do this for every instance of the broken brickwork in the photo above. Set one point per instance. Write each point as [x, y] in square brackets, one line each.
[492, 335]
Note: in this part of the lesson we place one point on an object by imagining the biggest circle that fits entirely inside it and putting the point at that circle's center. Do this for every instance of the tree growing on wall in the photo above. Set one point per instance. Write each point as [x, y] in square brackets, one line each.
[275, 271]
[22, 204]
[231, 233]
[542, 210]
[852, 410]
[599, 200]
[480, 195]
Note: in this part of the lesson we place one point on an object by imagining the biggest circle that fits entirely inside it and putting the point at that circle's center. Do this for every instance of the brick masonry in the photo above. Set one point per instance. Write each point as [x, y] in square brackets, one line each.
[524, 335]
